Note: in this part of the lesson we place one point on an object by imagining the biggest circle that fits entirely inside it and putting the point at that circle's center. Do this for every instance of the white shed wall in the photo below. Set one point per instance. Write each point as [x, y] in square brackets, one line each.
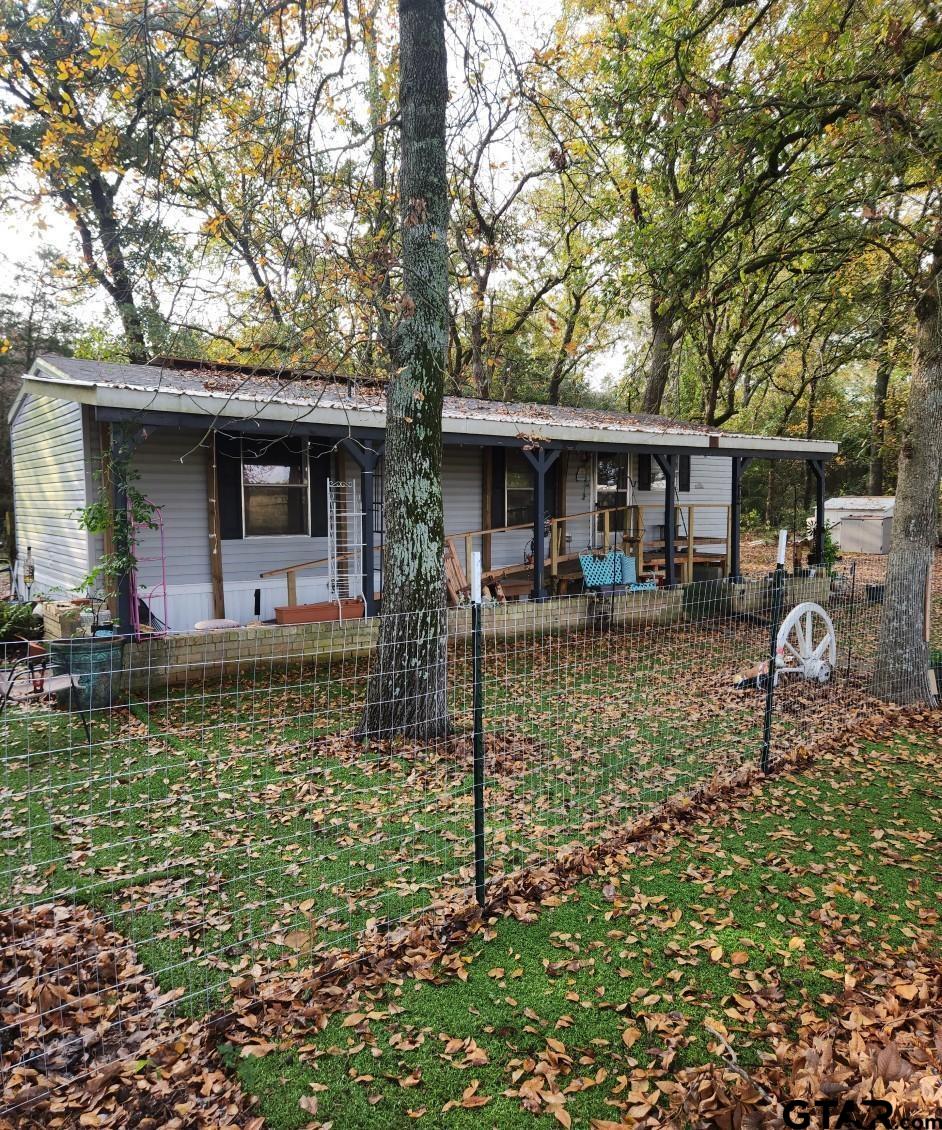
[49, 488]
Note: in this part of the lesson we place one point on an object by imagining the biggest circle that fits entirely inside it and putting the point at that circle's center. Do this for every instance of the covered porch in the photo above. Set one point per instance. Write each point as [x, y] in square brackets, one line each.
[671, 541]
[241, 461]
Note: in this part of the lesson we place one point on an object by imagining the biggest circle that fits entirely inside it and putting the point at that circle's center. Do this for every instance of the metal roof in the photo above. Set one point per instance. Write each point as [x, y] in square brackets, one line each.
[872, 503]
[335, 401]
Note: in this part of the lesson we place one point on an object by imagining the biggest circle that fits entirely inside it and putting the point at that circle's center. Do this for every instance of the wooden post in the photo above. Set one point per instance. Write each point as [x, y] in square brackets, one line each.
[639, 544]
[487, 507]
[468, 553]
[292, 578]
[555, 528]
[690, 545]
[606, 529]
[215, 540]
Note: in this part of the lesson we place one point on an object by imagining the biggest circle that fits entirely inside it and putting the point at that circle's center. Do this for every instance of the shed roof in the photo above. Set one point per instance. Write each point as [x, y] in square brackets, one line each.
[327, 401]
[862, 503]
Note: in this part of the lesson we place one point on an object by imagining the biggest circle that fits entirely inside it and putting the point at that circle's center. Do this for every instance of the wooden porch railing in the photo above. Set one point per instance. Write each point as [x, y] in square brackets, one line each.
[608, 527]
[629, 532]
[290, 572]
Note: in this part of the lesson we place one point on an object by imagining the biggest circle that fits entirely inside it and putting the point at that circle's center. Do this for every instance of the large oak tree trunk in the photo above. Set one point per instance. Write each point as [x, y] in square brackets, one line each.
[406, 693]
[659, 368]
[902, 659]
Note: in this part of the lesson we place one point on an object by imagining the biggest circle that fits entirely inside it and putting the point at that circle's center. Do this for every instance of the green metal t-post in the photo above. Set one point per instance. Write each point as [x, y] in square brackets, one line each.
[477, 634]
[778, 594]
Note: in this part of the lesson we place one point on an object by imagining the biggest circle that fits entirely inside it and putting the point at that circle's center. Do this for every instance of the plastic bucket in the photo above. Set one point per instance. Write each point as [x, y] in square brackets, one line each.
[96, 664]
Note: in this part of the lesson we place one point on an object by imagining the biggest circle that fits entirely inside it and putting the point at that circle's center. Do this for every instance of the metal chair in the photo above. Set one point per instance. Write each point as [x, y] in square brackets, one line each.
[33, 677]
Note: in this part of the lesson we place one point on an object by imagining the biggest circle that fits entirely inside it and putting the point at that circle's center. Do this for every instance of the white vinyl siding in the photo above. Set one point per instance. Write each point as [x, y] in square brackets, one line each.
[579, 499]
[710, 485]
[49, 488]
[172, 469]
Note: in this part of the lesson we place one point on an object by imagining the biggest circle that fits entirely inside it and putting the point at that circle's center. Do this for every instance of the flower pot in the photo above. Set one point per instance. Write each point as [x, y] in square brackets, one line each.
[96, 664]
[935, 666]
[326, 610]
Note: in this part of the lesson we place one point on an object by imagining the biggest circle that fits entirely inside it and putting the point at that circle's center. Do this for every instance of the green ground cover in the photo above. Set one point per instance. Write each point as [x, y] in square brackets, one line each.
[745, 923]
[235, 818]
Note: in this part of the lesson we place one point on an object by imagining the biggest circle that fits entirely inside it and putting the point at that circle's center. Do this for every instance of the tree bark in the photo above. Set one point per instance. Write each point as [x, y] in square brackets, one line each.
[902, 660]
[479, 374]
[810, 481]
[121, 289]
[659, 368]
[563, 362]
[406, 691]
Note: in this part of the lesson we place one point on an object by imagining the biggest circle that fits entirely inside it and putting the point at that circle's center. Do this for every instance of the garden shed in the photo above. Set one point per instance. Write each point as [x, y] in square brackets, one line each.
[861, 523]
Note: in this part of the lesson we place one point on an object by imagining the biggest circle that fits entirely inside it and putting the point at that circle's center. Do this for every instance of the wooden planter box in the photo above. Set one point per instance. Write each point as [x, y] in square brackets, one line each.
[351, 609]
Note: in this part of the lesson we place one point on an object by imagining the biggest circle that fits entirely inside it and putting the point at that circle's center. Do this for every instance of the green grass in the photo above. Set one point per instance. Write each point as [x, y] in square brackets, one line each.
[802, 882]
[231, 819]
[225, 817]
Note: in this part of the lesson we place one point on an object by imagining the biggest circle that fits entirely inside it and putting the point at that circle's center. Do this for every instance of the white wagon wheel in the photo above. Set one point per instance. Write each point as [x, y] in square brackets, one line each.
[806, 644]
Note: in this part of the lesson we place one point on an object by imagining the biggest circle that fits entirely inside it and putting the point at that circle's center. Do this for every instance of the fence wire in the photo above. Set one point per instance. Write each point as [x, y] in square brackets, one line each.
[219, 813]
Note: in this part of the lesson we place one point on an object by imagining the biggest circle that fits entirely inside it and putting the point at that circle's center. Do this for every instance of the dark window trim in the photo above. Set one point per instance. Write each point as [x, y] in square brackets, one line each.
[305, 487]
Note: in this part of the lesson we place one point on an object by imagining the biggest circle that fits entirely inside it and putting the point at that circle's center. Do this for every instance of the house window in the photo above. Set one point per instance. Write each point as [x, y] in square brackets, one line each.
[611, 490]
[519, 489]
[651, 476]
[275, 488]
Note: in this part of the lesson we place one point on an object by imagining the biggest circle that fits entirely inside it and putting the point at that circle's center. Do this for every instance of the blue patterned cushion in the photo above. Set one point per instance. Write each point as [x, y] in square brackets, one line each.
[615, 568]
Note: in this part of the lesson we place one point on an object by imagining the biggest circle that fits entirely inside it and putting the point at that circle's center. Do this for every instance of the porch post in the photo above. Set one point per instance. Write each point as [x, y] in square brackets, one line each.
[123, 594]
[668, 464]
[739, 464]
[215, 535]
[367, 457]
[540, 460]
[817, 469]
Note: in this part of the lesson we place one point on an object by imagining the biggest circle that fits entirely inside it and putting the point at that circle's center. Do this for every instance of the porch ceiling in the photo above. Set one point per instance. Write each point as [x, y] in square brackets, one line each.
[333, 407]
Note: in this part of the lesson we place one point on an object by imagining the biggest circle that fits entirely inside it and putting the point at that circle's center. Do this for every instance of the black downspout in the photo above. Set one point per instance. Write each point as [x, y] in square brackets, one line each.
[540, 460]
[817, 468]
[668, 465]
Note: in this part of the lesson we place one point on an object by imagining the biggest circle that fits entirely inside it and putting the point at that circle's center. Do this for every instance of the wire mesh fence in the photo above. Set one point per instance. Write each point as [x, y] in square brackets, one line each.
[190, 809]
